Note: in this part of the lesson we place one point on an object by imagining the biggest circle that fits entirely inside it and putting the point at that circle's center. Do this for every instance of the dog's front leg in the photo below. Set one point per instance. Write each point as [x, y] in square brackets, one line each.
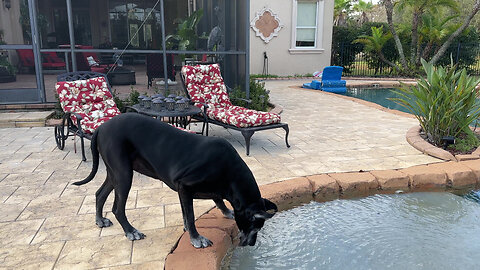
[186, 201]
[225, 211]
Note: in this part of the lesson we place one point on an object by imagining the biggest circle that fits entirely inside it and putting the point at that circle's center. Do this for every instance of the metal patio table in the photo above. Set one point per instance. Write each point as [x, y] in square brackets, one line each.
[179, 118]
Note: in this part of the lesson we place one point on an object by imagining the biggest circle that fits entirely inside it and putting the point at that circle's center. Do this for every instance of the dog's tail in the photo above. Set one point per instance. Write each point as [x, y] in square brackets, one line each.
[95, 158]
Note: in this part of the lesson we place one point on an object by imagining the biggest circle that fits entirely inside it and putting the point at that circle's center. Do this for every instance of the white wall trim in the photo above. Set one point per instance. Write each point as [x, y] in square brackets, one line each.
[257, 31]
[305, 51]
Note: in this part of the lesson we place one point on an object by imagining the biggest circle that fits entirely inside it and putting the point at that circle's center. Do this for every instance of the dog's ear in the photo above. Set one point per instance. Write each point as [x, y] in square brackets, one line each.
[263, 215]
[270, 205]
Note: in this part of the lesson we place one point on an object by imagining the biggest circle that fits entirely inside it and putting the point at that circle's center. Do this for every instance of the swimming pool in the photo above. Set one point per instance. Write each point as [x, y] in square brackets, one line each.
[376, 95]
[402, 231]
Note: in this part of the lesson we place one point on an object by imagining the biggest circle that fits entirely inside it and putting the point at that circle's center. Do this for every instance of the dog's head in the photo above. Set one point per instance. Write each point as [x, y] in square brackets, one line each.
[251, 220]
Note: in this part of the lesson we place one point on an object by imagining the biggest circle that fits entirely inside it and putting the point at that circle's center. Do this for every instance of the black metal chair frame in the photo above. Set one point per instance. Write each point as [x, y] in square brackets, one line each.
[247, 132]
[68, 128]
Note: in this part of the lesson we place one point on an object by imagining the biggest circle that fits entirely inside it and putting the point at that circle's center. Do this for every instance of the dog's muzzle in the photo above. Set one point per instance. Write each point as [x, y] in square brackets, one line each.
[249, 239]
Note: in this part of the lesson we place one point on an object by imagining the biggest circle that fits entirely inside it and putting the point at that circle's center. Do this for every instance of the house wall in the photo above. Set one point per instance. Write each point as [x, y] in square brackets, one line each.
[283, 61]
[12, 31]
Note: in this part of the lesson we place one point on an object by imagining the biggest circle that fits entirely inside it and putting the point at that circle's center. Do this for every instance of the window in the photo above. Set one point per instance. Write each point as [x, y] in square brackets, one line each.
[307, 26]
[306, 29]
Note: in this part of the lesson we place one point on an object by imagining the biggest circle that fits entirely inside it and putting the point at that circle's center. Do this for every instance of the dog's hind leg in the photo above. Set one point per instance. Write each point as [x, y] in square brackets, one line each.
[225, 211]
[186, 201]
[123, 180]
[101, 196]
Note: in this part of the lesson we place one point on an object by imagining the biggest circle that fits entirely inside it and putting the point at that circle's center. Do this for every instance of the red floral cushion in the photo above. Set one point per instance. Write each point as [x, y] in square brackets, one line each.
[205, 85]
[90, 98]
[242, 117]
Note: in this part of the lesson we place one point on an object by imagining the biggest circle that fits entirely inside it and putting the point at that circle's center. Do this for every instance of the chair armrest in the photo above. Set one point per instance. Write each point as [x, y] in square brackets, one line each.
[249, 101]
[79, 118]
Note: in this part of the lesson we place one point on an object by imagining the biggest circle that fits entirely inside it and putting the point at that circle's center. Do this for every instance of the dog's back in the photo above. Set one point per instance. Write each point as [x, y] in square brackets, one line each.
[180, 157]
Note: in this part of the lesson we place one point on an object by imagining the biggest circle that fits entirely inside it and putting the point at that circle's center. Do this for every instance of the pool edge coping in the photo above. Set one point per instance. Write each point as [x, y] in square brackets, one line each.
[442, 176]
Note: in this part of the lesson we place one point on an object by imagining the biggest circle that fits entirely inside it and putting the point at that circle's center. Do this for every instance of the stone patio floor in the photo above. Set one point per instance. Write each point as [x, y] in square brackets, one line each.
[46, 223]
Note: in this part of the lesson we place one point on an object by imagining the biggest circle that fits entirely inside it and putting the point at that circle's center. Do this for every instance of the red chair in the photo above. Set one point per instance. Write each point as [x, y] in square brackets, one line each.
[87, 101]
[155, 67]
[50, 60]
[82, 61]
[205, 86]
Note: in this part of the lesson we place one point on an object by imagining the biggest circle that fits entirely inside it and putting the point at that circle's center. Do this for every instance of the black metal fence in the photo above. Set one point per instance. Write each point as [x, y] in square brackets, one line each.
[358, 63]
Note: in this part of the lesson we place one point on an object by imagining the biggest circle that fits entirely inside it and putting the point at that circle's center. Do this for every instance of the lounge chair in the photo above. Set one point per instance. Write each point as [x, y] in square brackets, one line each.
[155, 67]
[204, 85]
[331, 81]
[50, 60]
[87, 101]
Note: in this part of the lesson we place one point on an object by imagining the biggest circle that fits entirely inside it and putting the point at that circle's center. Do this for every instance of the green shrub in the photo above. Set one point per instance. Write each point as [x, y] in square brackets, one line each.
[255, 76]
[468, 144]
[444, 102]
[258, 94]
[129, 101]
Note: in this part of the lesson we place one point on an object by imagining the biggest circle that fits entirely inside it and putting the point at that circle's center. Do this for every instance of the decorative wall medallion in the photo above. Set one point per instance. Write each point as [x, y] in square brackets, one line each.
[266, 24]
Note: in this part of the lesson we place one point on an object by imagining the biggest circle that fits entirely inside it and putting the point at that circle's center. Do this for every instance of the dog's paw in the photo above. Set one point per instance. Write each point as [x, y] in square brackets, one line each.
[229, 214]
[103, 222]
[135, 235]
[200, 242]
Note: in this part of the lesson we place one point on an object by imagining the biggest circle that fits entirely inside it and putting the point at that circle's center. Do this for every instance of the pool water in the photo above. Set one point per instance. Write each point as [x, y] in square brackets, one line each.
[401, 231]
[377, 95]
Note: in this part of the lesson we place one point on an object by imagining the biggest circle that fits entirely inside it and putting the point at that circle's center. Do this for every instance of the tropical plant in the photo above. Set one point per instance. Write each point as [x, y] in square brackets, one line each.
[444, 102]
[4, 63]
[434, 30]
[374, 44]
[185, 38]
[363, 7]
[341, 11]
[418, 8]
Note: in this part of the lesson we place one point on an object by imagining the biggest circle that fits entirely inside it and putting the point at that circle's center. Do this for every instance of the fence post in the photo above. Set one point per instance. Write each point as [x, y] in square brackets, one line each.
[458, 53]
[341, 54]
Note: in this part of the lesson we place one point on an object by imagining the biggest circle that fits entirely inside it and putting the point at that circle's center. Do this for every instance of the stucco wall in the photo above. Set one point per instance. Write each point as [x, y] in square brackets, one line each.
[281, 61]
[9, 23]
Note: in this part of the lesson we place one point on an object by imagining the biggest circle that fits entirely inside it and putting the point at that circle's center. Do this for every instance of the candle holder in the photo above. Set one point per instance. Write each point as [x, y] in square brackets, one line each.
[140, 100]
[159, 96]
[147, 102]
[170, 104]
[157, 104]
[181, 105]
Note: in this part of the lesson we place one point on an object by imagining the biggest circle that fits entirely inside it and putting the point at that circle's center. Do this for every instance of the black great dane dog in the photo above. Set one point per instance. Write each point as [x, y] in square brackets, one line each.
[195, 166]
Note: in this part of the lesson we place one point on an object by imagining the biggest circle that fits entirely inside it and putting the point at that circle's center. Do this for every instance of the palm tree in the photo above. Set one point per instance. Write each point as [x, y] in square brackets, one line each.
[363, 7]
[374, 44]
[341, 10]
[434, 30]
[419, 7]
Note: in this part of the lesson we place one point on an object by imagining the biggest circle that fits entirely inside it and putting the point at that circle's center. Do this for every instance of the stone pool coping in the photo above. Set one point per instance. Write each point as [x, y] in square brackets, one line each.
[443, 176]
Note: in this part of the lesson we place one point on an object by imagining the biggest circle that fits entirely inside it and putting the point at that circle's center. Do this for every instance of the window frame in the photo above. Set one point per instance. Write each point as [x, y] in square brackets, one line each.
[318, 42]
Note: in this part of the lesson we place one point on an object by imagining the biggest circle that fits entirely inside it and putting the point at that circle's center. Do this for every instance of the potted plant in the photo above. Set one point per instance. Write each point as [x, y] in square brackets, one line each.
[7, 70]
[186, 37]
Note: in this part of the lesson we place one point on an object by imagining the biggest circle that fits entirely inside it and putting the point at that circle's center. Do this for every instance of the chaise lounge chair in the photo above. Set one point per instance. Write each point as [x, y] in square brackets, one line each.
[50, 60]
[205, 87]
[87, 101]
[331, 81]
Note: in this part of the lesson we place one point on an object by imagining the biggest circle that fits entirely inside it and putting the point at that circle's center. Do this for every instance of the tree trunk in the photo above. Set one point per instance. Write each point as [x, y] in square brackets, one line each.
[414, 45]
[455, 34]
[385, 60]
[389, 9]
[427, 50]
